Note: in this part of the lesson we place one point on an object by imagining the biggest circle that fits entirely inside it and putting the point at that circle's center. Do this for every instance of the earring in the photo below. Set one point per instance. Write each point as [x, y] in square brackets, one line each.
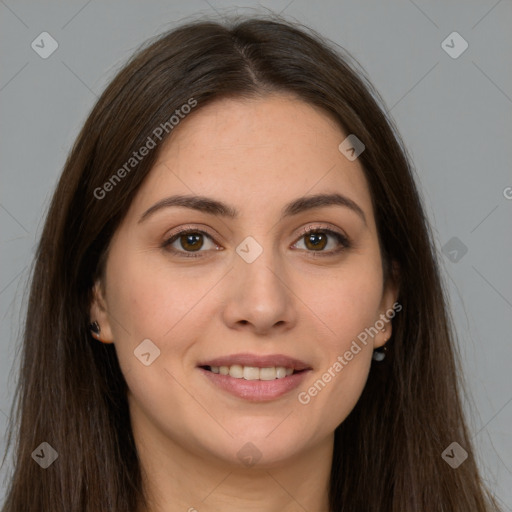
[380, 354]
[94, 327]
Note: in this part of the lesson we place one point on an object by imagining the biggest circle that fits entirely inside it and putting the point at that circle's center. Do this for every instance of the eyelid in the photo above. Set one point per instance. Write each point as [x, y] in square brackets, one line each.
[321, 227]
[187, 229]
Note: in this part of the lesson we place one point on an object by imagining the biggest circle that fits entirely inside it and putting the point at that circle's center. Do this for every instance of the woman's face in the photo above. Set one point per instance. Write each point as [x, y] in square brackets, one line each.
[246, 292]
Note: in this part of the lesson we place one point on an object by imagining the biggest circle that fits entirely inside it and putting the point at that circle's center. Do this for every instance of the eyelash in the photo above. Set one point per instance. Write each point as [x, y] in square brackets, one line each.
[341, 239]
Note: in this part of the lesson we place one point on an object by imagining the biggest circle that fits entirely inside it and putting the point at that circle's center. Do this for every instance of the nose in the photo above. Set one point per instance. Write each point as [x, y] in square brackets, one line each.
[260, 297]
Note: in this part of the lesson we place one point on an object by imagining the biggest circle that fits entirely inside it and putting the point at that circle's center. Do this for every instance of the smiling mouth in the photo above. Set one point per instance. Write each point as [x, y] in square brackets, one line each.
[253, 372]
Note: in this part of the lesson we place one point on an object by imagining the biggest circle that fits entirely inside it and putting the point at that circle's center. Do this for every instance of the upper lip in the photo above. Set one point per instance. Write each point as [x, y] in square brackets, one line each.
[259, 361]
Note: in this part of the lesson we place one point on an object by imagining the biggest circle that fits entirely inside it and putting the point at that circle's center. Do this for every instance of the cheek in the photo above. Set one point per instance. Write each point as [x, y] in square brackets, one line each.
[345, 304]
[149, 300]
[348, 308]
[156, 302]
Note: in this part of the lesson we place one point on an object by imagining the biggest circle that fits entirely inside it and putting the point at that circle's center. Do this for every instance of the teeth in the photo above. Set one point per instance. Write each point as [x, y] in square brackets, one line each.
[252, 372]
[267, 373]
[236, 371]
[280, 372]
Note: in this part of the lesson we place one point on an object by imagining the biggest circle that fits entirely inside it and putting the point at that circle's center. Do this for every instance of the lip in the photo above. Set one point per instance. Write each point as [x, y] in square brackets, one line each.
[256, 390]
[260, 361]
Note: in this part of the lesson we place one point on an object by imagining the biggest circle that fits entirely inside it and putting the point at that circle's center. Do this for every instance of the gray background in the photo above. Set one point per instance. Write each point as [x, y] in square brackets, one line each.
[454, 115]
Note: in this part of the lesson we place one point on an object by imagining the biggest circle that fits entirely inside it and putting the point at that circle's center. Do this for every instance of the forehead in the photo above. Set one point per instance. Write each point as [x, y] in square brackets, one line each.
[256, 154]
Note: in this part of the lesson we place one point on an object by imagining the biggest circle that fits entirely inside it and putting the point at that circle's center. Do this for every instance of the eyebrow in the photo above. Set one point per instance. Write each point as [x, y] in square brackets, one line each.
[214, 207]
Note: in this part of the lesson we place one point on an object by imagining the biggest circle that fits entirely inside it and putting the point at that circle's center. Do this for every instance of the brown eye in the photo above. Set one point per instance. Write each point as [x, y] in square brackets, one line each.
[191, 241]
[316, 241]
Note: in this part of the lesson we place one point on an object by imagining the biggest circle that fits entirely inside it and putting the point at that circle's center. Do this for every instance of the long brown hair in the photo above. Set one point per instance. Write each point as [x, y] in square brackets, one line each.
[72, 394]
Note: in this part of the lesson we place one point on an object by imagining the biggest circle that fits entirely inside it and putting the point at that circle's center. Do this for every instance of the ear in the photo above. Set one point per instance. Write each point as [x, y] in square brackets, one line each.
[388, 304]
[99, 313]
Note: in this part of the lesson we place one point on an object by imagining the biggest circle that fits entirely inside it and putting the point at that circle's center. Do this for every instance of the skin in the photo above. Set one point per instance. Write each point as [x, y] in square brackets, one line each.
[256, 155]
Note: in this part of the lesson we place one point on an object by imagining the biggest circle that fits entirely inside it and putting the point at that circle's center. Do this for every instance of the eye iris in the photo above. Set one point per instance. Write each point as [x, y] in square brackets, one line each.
[195, 240]
[318, 240]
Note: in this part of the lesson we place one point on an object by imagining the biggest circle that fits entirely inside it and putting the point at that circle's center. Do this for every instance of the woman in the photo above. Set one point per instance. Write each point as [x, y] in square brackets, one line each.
[236, 303]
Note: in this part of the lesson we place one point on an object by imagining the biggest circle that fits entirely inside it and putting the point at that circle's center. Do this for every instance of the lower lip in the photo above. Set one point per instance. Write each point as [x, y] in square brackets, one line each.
[256, 390]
